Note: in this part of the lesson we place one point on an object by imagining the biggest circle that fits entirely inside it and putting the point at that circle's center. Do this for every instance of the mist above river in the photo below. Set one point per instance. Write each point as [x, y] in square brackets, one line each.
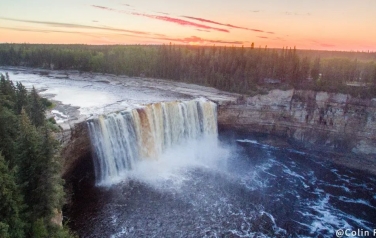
[239, 187]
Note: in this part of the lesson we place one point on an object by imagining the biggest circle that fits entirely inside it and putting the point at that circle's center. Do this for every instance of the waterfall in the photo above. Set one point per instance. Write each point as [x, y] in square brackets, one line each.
[123, 138]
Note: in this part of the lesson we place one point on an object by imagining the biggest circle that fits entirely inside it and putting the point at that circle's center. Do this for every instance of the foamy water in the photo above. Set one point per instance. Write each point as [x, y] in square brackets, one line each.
[206, 189]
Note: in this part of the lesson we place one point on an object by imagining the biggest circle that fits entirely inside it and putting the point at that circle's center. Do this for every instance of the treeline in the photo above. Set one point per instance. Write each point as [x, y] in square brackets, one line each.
[236, 69]
[31, 190]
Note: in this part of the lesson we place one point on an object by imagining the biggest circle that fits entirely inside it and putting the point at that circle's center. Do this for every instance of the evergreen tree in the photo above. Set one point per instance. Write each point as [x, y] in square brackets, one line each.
[21, 97]
[29, 164]
[11, 205]
[50, 189]
[8, 134]
[36, 108]
[30, 183]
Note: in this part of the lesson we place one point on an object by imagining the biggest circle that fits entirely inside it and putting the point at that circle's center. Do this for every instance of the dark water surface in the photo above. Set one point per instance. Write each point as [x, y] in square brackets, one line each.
[261, 191]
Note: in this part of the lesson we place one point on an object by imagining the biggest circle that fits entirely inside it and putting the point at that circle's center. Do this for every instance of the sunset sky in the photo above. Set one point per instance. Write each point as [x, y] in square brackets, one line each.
[306, 24]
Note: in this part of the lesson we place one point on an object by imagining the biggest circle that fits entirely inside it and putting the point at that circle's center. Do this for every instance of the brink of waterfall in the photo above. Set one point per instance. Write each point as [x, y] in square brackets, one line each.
[120, 140]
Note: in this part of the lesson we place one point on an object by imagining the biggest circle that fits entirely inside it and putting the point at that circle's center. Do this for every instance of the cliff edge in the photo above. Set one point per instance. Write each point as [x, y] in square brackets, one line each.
[319, 119]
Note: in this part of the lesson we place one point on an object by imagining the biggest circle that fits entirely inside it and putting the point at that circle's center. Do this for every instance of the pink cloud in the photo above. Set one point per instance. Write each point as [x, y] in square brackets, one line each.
[222, 24]
[179, 21]
[166, 19]
[196, 39]
[79, 26]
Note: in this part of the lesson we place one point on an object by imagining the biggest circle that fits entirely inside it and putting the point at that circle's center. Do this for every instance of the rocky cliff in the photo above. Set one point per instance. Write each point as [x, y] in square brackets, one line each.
[319, 119]
[336, 121]
[76, 144]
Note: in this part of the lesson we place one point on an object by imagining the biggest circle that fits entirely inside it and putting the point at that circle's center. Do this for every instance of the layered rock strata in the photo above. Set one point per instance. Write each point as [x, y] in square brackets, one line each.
[330, 120]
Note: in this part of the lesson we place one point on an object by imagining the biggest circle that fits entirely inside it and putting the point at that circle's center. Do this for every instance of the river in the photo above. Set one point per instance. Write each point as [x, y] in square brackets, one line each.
[242, 188]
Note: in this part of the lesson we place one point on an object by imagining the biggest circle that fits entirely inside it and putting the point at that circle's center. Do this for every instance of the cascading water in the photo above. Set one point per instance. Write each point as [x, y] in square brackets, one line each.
[122, 139]
[182, 181]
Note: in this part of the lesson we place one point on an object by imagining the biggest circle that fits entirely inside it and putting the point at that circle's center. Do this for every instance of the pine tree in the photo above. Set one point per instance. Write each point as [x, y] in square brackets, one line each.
[11, 205]
[50, 187]
[21, 97]
[7, 92]
[29, 163]
[8, 134]
[36, 109]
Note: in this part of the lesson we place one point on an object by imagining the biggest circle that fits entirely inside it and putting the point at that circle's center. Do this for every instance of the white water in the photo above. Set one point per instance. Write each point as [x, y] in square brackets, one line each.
[174, 166]
[123, 140]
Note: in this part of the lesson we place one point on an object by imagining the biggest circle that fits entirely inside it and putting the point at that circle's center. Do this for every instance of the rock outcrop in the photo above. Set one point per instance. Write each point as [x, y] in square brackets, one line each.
[337, 121]
[76, 144]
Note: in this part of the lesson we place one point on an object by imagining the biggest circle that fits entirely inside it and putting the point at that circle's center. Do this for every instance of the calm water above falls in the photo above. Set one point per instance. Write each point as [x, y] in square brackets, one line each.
[240, 188]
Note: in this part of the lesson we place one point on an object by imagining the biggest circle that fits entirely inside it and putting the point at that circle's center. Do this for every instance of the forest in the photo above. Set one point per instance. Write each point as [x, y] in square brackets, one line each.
[245, 70]
[31, 189]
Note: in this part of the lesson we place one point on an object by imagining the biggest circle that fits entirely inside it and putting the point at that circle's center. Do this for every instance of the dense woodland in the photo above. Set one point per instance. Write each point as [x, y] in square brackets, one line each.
[236, 69]
[31, 190]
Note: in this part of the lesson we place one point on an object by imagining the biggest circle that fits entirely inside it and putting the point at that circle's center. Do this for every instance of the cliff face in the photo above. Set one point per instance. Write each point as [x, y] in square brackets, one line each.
[314, 118]
[330, 120]
[75, 142]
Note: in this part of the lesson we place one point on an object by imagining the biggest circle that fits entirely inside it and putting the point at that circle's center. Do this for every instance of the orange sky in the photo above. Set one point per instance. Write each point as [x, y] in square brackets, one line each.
[306, 24]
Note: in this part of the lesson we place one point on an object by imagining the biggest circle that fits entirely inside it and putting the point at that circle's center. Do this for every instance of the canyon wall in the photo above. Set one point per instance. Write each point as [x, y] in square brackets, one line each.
[319, 119]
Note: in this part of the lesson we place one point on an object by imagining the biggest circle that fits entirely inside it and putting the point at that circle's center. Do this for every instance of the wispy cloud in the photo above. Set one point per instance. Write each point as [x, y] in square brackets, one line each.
[48, 31]
[104, 8]
[222, 24]
[166, 19]
[184, 40]
[199, 40]
[263, 37]
[179, 21]
[148, 35]
[79, 26]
